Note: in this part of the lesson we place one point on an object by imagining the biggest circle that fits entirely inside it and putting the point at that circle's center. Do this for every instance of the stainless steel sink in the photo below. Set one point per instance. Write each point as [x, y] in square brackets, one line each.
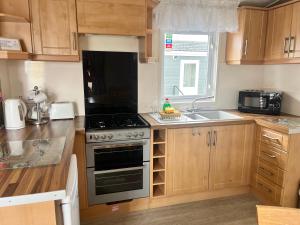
[218, 115]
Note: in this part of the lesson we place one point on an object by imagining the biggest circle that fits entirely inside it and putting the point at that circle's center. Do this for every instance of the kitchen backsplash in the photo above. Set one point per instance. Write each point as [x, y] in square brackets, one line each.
[63, 81]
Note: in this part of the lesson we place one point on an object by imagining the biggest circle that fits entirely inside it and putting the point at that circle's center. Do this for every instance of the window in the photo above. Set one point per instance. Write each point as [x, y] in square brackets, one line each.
[189, 66]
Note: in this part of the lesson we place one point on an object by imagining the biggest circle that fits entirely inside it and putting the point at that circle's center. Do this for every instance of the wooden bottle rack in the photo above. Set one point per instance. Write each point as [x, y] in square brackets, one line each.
[158, 162]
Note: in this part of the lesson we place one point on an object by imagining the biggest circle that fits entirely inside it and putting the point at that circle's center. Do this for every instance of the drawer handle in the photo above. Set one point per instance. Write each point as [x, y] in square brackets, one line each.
[264, 170]
[269, 155]
[271, 138]
[267, 189]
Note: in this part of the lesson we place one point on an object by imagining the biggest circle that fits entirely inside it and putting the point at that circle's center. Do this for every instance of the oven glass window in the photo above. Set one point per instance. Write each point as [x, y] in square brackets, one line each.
[116, 157]
[255, 102]
[107, 183]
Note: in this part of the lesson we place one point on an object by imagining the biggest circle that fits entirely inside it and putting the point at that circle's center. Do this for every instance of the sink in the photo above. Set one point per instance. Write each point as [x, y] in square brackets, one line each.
[218, 115]
[200, 116]
[195, 116]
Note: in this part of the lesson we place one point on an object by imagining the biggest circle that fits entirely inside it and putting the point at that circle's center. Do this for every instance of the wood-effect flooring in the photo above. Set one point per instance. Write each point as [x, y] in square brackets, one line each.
[237, 210]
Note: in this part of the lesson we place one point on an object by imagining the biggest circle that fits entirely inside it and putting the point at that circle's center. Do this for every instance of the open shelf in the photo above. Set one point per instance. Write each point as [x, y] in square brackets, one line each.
[159, 136]
[158, 164]
[159, 150]
[14, 55]
[158, 177]
[158, 190]
[12, 18]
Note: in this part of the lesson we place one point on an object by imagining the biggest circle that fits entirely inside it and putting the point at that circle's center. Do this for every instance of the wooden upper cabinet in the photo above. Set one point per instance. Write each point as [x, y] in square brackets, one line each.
[187, 160]
[232, 148]
[295, 32]
[54, 30]
[247, 45]
[278, 34]
[117, 17]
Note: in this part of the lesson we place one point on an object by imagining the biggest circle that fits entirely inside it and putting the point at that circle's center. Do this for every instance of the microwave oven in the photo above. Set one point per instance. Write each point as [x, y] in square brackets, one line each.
[260, 101]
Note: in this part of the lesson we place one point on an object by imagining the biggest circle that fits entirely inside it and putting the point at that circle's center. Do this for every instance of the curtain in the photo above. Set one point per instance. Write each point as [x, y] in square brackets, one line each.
[194, 16]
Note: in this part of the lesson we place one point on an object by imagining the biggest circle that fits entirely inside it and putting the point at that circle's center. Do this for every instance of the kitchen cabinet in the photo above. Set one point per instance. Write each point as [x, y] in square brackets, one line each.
[113, 17]
[230, 156]
[188, 160]
[54, 30]
[247, 45]
[15, 23]
[282, 45]
[278, 33]
[219, 156]
[276, 173]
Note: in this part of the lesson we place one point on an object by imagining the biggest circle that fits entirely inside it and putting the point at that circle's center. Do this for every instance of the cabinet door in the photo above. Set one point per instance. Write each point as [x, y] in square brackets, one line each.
[117, 17]
[279, 26]
[231, 156]
[247, 45]
[187, 160]
[255, 35]
[295, 32]
[54, 27]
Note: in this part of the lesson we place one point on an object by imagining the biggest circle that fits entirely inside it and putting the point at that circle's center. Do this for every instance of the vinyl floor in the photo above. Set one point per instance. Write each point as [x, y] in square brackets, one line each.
[237, 210]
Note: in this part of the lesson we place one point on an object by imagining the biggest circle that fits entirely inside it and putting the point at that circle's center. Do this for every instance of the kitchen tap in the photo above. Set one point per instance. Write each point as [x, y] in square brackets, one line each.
[200, 98]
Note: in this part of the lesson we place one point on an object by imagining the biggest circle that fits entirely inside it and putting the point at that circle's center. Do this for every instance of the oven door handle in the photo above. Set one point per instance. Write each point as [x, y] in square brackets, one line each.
[119, 170]
[108, 146]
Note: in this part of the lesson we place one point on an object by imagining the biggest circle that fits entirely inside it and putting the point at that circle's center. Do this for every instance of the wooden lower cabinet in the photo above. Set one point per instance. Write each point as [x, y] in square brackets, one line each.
[188, 160]
[42, 213]
[231, 156]
[276, 173]
[209, 158]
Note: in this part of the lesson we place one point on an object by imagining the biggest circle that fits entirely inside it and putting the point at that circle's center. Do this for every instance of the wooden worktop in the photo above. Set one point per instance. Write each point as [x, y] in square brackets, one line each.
[245, 118]
[35, 180]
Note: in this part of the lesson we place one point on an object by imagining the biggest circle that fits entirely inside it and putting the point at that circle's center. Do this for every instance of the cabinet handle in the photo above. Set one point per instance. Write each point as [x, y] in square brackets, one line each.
[267, 189]
[286, 41]
[292, 43]
[246, 47]
[208, 138]
[269, 155]
[266, 171]
[74, 41]
[215, 139]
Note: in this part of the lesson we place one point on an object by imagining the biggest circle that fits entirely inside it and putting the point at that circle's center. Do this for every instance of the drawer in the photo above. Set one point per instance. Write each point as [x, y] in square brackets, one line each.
[271, 172]
[268, 190]
[272, 155]
[275, 139]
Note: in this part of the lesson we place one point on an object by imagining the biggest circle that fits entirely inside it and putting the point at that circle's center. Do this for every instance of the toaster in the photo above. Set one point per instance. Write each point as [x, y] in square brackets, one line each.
[61, 110]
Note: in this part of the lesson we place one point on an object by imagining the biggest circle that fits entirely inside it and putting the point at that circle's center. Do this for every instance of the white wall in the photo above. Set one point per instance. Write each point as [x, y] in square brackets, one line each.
[63, 81]
[287, 79]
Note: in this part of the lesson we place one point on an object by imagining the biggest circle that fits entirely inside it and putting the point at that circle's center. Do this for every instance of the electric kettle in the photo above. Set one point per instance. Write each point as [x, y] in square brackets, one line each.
[15, 111]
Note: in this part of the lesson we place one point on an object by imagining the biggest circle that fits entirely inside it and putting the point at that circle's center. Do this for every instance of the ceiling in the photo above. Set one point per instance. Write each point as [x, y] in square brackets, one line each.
[261, 3]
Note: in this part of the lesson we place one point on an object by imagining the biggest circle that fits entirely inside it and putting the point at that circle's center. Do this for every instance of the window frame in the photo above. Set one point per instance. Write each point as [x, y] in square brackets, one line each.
[212, 70]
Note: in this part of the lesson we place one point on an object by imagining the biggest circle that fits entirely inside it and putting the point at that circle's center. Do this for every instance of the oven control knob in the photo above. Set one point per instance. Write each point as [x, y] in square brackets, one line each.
[96, 137]
[135, 134]
[141, 134]
[129, 135]
[103, 136]
[110, 136]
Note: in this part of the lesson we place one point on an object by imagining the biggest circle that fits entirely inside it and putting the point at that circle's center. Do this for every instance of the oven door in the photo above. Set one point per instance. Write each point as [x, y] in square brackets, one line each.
[118, 185]
[117, 155]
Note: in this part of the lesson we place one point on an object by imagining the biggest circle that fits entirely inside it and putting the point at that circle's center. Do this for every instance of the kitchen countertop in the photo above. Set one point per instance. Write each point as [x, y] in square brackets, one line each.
[264, 120]
[46, 182]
